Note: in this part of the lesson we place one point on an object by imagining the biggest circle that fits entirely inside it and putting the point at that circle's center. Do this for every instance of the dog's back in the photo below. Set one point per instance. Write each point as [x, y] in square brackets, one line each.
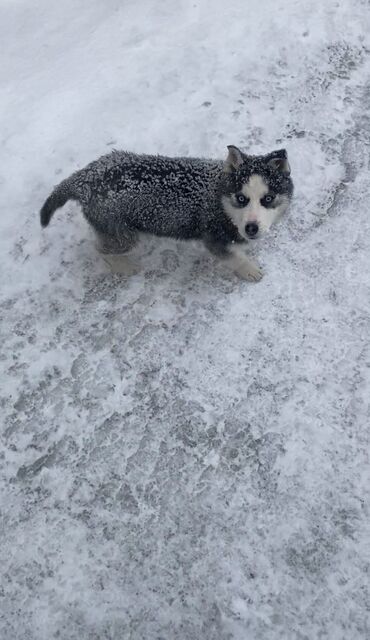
[155, 194]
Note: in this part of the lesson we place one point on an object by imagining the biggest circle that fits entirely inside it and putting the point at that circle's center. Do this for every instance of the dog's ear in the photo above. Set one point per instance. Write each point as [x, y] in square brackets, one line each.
[234, 159]
[278, 160]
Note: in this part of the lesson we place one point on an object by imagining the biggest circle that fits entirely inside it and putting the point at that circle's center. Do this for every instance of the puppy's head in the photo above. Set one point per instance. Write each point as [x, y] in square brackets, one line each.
[256, 190]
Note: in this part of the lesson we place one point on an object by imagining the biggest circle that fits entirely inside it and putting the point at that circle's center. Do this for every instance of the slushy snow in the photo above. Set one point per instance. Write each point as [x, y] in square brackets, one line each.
[185, 456]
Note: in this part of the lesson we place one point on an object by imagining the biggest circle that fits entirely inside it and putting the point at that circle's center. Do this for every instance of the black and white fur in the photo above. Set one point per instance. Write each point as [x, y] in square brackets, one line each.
[224, 204]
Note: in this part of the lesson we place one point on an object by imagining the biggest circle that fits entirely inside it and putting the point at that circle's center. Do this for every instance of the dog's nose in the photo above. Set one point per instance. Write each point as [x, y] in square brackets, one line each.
[251, 229]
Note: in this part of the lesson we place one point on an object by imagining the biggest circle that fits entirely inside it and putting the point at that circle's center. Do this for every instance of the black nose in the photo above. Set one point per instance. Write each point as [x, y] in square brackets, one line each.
[251, 229]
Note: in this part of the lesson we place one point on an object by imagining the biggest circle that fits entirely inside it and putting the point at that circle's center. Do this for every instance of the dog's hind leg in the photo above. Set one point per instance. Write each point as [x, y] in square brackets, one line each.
[114, 249]
[118, 243]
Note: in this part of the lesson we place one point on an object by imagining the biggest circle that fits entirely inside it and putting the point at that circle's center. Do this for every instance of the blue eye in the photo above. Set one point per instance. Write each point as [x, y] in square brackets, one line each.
[268, 199]
[241, 199]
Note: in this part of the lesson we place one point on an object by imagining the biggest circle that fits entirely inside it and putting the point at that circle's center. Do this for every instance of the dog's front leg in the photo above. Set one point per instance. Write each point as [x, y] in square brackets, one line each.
[233, 256]
[243, 266]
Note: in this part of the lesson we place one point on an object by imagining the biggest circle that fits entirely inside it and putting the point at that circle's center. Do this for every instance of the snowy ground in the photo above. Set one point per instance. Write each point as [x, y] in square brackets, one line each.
[185, 456]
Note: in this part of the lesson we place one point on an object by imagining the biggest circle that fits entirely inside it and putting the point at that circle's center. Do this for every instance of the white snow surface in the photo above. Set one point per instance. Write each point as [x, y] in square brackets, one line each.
[185, 455]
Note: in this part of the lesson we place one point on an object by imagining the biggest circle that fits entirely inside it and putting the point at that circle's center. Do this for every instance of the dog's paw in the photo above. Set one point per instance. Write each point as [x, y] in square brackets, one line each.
[249, 271]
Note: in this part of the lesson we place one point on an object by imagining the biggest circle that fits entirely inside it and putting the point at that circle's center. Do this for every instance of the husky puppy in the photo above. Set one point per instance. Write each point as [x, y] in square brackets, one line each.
[223, 203]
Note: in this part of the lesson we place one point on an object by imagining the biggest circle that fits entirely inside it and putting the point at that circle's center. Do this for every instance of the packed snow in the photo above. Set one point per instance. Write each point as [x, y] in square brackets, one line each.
[185, 455]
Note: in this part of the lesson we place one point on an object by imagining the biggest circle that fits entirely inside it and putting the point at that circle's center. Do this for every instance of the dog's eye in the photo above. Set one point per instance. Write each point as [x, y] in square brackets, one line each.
[241, 199]
[267, 199]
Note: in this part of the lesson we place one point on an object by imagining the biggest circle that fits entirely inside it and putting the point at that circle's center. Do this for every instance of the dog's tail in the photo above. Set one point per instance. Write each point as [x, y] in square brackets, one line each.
[61, 194]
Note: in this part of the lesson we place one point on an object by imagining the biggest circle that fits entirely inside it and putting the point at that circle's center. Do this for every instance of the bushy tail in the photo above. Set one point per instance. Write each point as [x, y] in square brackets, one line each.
[57, 199]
